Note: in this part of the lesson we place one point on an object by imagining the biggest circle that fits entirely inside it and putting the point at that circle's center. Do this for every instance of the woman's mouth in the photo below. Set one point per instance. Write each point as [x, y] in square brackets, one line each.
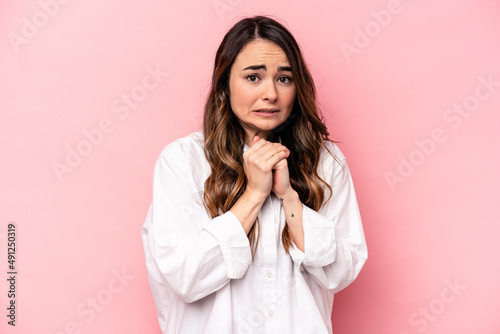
[267, 111]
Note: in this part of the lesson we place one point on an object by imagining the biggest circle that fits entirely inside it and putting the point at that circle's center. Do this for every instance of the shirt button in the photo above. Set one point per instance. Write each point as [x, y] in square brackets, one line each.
[267, 234]
[269, 274]
[271, 313]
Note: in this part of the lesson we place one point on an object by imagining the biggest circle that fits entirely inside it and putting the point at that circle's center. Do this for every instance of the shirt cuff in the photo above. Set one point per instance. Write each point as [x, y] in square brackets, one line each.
[319, 240]
[233, 243]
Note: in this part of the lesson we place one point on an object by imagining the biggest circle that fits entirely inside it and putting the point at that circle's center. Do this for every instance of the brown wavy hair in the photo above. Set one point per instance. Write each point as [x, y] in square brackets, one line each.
[303, 133]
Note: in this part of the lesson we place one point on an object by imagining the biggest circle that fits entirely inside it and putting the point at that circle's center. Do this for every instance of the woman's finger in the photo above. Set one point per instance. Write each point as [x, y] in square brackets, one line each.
[254, 140]
[273, 157]
[265, 155]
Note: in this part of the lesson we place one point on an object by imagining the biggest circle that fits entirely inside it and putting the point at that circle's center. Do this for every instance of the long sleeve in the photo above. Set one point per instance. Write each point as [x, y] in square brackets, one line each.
[194, 254]
[201, 272]
[334, 242]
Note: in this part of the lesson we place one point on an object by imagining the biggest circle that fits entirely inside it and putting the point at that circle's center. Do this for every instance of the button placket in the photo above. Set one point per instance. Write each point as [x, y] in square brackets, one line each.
[270, 221]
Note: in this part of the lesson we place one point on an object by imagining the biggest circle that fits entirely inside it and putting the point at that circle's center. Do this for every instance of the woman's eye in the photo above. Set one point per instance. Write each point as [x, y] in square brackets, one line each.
[252, 77]
[285, 80]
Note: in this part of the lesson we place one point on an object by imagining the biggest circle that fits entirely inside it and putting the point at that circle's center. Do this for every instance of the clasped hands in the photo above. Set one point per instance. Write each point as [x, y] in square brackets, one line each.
[266, 168]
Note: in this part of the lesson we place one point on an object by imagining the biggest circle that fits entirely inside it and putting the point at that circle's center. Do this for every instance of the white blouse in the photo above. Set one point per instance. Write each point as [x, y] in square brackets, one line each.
[201, 271]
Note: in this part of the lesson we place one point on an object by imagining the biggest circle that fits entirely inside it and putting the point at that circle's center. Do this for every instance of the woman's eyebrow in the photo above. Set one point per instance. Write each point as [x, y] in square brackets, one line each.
[258, 67]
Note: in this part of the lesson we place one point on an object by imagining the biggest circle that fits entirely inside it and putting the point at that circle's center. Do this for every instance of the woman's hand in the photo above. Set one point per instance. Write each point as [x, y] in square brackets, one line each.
[281, 180]
[258, 163]
[265, 167]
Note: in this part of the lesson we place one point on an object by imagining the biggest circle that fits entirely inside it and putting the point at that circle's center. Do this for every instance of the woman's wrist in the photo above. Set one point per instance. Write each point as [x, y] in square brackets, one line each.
[293, 212]
[293, 207]
[254, 196]
[247, 208]
[290, 195]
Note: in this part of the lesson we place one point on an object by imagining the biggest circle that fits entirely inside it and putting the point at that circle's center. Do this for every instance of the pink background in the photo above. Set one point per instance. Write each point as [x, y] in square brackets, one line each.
[426, 177]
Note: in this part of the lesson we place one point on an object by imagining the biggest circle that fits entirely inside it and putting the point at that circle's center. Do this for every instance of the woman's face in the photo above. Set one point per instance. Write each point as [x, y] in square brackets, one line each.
[261, 77]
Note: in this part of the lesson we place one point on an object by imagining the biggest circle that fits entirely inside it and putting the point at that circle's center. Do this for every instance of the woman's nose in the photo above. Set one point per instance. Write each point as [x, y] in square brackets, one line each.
[269, 91]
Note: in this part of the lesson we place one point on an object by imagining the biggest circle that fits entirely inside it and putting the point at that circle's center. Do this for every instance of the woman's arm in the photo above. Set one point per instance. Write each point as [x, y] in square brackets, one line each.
[335, 247]
[193, 254]
[293, 212]
[259, 160]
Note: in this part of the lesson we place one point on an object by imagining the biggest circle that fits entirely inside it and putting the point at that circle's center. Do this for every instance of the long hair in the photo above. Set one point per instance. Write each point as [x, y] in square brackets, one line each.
[303, 133]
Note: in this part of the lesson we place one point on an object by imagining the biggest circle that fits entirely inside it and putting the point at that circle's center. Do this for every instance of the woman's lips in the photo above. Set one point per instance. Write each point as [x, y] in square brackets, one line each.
[267, 111]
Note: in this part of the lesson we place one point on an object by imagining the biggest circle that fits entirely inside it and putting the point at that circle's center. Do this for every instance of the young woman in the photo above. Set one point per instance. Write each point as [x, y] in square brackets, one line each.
[254, 223]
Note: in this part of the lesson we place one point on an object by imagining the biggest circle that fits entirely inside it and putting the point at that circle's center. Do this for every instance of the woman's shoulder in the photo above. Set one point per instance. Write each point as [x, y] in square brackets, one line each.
[332, 162]
[331, 151]
[190, 145]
